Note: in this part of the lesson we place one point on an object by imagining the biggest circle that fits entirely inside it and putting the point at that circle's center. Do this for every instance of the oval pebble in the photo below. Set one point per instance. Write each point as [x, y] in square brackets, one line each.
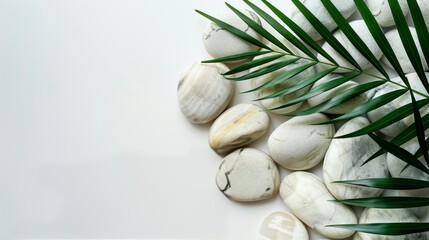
[298, 145]
[363, 32]
[395, 41]
[346, 8]
[308, 198]
[380, 9]
[203, 93]
[237, 127]
[377, 215]
[282, 226]
[344, 159]
[248, 175]
[325, 96]
[221, 43]
[395, 128]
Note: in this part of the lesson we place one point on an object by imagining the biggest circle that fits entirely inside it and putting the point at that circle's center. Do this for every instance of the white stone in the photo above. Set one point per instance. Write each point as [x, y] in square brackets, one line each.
[282, 226]
[306, 197]
[424, 8]
[325, 96]
[237, 127]
[395, 41]
[395, 128]
[277, 101]
[344, 158]
[377, 215]
[248, 175]
[346, 7]
[203, 93]
[363, 32]
[298, 145]
[419, 212]
[221, 43]
[380, 9]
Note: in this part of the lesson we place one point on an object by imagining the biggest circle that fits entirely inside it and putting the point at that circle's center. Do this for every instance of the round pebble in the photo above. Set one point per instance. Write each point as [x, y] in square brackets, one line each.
[282, 226]
[380, 9]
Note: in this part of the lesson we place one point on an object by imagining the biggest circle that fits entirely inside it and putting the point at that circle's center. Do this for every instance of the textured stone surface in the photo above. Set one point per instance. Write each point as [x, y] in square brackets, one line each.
[395, 128]
[203, 93]
[344, 158]
[424, 7]
[376, 215]
[237, 127]
[221, 43]
[395, 41]
[282, 226]
[342, 108]
[309, 199]
[363, 32]
[380, 9]
[298, 145]
[346, 7]
[248, 175]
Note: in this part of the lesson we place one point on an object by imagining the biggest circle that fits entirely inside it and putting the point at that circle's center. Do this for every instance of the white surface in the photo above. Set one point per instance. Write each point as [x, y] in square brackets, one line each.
[92, 142]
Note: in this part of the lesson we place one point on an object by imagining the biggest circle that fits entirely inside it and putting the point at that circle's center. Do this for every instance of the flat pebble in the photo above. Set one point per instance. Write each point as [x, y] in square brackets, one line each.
[237, 127]
[377, 215]
[380, 9]
[325, 96]
[346, 8]
[307, 197]
[221, 43]
[282, 226]
[344, 159]
[395, 41]
[363, 32]
[395, 128]
[298, 145]
[248, 175]
[203, 93]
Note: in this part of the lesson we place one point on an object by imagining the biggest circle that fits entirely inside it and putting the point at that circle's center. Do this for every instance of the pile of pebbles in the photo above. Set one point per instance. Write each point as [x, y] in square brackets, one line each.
[248, 174]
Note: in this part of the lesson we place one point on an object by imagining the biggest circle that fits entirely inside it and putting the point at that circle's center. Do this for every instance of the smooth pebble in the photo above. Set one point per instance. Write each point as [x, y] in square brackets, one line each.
[237, 127]
[380, 9]
[282, 226]
[307, 197]
[248, 175]
[344, 159]
[299, 145]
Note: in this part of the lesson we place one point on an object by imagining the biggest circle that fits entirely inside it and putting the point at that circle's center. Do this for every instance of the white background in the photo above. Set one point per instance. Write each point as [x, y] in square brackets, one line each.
[92, 142]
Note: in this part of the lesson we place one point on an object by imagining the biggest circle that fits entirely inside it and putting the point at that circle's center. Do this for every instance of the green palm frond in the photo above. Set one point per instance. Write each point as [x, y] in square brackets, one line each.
[277, 55]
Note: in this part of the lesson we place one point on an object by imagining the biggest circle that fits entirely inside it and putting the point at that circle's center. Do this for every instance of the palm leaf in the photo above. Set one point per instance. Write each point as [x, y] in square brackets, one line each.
[386, 228]
[388, 183]
[353, 37]
[282, 30]
[299, 32]
[421, 28]
[259, 29]
[387, 202]
[237, 32]
[253, 63]
[340, 98]
[237, 57]
[302, 84]
[326, 34]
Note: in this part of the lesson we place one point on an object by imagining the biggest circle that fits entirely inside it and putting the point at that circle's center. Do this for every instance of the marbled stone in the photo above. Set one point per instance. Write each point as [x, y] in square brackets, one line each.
[277, 101]
[419, 212]
[363, 32]
[325, 96]
[307, 197]
[395, 41]
[282, 226]
[344, 159]
[380, 9]
[377, 215]
[248, 175]
[346, 8]
[395, 128]
[299, 145]
[221, 43]
[203, 93]
[237, 127]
